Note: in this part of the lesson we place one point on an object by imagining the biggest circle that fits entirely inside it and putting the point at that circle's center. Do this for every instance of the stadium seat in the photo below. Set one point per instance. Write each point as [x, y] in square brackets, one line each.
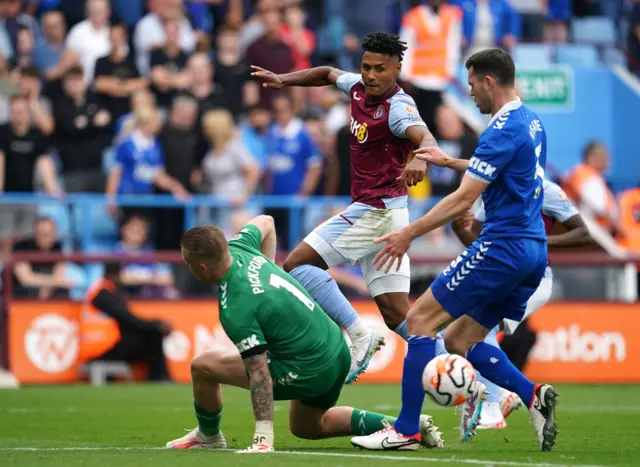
[595, 30]
[614, 57]
[578, 55]
[103, 225]
[532, 55]
[78, 275]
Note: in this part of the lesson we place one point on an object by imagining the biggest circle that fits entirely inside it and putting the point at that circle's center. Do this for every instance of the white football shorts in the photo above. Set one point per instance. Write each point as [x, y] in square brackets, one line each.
[539, 299]
[348, 238]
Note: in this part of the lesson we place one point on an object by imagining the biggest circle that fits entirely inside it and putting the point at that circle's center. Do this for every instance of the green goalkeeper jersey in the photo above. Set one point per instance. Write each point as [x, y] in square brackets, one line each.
[264, 308]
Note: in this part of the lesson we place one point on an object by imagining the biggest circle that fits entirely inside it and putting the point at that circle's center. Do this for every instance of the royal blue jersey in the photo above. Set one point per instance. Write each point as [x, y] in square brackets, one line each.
[291, 153]
[511, 157]
[140, 160]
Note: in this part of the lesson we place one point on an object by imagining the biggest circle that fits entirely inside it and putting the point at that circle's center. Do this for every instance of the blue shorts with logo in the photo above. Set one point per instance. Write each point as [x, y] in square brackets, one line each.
[492, 280]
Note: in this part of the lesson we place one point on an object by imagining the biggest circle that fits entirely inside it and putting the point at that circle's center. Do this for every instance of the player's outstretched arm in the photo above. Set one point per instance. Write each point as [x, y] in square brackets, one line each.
[318, 76]
[577, 234]
[261, 387]
[436, 156]
[450, 207]
[268, 230]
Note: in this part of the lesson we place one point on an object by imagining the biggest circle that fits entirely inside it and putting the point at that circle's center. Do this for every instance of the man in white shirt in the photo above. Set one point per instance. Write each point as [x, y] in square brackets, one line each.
[90, 38]
[150, 32]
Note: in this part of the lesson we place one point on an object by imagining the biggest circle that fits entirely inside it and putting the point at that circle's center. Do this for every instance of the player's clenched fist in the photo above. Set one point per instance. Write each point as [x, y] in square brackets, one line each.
[270, 79]
[413, 173]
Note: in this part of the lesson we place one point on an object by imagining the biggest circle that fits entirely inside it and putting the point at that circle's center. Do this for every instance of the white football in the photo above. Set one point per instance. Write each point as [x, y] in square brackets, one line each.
[449, 379]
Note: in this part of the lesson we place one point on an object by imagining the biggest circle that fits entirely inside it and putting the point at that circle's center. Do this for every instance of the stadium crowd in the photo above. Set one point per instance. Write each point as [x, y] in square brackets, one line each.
[139, 97]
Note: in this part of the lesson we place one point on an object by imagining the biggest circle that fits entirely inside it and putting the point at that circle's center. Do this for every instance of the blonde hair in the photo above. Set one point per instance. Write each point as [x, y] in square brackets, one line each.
[219, 126]
[144, 115]
[205, 244]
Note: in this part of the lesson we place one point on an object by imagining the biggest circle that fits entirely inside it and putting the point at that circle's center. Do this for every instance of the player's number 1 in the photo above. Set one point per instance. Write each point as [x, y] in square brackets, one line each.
[280, 283]
[539, 172]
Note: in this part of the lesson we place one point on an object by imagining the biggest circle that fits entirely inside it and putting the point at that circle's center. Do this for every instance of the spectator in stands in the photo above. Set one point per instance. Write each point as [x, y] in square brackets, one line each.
[295, 162]
[633, 38]
[116, 74]
[233, 74]
[360, 20]
[229, 170]
[487, 24]
[127, 123]
[301, 40]
[180, 145]
[204, 89]
[586, 185]
[254, 134]
[340, 160]
[81, 134]
[143, 279]
[30, 87]
[50, 55]
[431, 61]
[139, 164]
[150, 33]
[90, 38]
[533, 14]
[23, 56]
[134, 339]
[254, 28]
[558, 16]
[270, 52]
[15, 19]
[42, 280]
[168, 66]
[23, 153]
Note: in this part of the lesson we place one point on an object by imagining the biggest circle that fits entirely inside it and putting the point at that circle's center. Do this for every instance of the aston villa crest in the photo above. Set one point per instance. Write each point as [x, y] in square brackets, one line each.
[379, 112]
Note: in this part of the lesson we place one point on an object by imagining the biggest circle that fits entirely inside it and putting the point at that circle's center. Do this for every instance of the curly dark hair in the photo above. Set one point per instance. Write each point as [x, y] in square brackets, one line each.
[383, 43]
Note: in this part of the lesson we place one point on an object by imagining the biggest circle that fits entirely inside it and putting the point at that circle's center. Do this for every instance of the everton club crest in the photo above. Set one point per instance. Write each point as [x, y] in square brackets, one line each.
[379, 112]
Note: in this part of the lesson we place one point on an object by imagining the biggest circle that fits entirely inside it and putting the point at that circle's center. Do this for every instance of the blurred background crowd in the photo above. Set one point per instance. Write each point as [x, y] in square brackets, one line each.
[141, 97]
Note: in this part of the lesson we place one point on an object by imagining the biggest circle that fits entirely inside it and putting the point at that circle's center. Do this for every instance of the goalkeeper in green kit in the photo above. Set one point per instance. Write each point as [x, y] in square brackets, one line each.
[287, 347]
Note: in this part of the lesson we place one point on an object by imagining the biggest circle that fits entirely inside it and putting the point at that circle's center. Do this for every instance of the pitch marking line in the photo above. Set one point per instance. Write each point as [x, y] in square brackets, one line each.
[447, 460]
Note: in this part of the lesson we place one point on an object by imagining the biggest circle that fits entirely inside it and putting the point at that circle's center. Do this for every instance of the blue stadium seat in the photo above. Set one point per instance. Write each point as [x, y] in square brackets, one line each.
[103, 225]
[78, 275]
[613, 57]
[578, 55]
[531, 55]
[596, 30]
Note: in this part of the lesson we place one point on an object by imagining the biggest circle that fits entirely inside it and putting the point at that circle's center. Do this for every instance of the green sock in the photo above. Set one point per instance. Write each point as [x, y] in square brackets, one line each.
[364, 423]
[208, 422]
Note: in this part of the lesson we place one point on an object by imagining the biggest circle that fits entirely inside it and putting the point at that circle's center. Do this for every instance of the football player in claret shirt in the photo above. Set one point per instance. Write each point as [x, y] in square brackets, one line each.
[385, 127]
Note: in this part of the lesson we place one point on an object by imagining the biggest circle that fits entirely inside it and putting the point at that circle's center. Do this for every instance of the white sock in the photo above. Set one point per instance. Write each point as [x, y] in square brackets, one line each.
[357, 330]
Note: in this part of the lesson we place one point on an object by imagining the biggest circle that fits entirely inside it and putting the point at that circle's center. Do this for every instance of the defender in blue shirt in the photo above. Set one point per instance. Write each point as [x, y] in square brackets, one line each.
[493, 279]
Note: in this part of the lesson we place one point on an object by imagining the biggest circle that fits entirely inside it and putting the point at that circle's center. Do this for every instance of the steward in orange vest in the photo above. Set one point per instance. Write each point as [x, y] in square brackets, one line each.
[110, 332]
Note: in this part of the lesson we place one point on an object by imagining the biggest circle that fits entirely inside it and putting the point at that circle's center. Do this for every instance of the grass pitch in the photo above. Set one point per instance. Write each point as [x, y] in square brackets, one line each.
[128, 425]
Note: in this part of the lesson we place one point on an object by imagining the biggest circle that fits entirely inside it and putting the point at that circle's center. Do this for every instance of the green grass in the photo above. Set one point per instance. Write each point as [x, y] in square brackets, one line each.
[124, 424]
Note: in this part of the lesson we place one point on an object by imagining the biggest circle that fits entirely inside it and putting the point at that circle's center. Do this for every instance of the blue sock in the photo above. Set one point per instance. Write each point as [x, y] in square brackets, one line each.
[494, 365]
[401, 330]
[421, 351]
[324, 290]
[494, 390]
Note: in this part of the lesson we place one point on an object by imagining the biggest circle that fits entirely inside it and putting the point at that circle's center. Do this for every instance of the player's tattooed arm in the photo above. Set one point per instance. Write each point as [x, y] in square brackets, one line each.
[318, 76]
[261, 386]
[421, 137]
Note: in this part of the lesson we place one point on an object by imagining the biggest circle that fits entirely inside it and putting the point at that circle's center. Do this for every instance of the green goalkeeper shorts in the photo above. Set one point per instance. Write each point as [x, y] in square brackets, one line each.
[320, 390]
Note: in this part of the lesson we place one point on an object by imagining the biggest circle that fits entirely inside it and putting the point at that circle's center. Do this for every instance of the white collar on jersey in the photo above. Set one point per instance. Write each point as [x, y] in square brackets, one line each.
[141, 141]
[291, 130]
[508, 107]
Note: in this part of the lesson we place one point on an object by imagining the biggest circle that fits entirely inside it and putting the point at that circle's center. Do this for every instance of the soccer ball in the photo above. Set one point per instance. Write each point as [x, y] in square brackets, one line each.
[449, 380]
